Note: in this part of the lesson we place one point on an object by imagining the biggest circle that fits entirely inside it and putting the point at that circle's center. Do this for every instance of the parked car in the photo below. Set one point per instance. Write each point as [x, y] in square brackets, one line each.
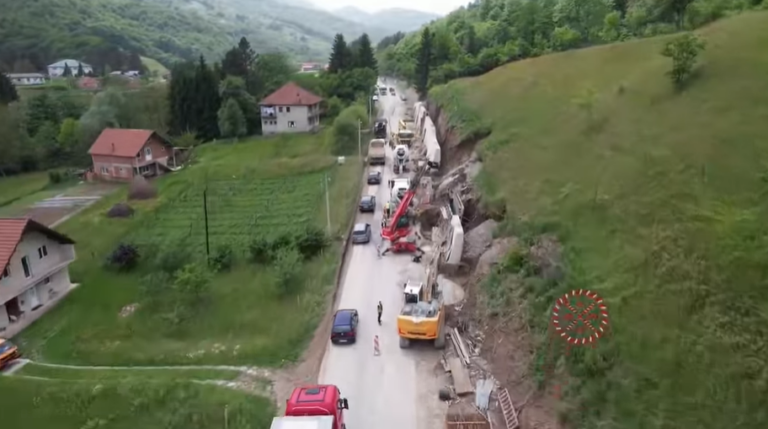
[375, 98]
[345, 326]
[374, 178]
[368, 204]
[361, 233]
[402, 97]
[392, 91]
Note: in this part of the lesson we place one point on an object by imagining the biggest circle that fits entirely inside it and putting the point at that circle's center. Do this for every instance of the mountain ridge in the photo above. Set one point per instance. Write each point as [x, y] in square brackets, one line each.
[395, 19]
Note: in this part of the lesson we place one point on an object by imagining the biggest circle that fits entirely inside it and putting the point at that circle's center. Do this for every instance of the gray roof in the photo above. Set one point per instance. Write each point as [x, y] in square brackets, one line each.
[71, 63]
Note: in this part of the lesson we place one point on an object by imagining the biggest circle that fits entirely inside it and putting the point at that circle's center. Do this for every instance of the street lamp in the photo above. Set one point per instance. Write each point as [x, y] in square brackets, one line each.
[360, 138]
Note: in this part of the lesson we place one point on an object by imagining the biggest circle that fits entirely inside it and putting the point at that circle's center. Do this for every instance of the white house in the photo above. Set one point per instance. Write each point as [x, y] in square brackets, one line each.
[35, 271]
[57, 69]
[290, 109]
[27, 79]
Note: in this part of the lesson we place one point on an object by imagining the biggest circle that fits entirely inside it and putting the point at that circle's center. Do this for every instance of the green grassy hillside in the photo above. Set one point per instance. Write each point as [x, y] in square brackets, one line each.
[660, 200]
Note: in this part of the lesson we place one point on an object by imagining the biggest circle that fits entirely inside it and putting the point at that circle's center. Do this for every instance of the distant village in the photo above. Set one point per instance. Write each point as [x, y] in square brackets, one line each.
[82, 73]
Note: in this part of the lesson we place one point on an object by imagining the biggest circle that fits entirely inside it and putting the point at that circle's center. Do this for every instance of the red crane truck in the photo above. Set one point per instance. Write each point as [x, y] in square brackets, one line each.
[313, 407]
[398, 228]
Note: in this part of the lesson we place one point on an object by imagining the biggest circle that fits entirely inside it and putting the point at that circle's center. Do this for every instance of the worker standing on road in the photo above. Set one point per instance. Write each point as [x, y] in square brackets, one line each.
[379, 310]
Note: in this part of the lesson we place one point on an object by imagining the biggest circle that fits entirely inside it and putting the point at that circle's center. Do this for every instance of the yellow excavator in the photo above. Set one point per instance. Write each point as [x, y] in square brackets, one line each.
[422, 317]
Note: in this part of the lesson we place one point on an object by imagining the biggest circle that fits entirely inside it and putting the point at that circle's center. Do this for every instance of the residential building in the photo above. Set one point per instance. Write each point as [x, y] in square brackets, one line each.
[311, 67]
[35, 271]
[57, 69]
[27, 79]
[121, 154]
[290, 109]
[87, 82]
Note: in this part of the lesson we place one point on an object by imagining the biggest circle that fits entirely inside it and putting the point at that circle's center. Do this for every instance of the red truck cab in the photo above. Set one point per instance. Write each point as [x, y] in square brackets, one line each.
[319, 407]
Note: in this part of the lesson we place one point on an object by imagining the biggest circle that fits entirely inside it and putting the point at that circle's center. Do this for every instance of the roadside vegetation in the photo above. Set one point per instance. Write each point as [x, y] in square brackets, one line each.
[103, 403]
[150, 296]
[655, 189]
[32, 369]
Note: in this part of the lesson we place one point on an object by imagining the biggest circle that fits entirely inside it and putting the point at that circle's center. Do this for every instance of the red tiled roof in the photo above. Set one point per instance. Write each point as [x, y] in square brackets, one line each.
[11, 231]
[291, 94]
[120, 142]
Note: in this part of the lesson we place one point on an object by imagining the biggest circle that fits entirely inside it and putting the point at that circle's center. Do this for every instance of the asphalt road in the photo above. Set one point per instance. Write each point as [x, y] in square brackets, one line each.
[398, 388]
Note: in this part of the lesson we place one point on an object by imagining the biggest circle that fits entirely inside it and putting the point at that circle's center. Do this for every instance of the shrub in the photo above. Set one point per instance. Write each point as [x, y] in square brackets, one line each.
[173, 257]
[125, 257]
[683, 51]
[140, 189]
[222, 259]
[261, 250]
[120, 210]
[287, 268]
[311, 241]
[55, 177]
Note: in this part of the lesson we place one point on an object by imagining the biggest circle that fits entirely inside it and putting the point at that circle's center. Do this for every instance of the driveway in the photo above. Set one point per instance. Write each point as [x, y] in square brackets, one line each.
[397, 389]
[52, 210]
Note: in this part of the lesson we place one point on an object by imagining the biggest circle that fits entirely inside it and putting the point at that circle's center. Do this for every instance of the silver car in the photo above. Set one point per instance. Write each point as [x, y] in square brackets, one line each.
[361, 233]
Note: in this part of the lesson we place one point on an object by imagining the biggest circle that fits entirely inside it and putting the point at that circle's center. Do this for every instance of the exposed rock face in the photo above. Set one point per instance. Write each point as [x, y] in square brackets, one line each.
[546, 255]
[478, 240]
[494, 254]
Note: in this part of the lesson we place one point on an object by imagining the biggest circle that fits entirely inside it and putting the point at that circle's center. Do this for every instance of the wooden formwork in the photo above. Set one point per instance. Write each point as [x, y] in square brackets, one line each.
[464, 416]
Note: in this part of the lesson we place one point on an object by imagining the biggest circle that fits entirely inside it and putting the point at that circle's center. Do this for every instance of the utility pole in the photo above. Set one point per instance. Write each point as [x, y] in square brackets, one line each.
[205, 212]
[327, 204]
[360, 138]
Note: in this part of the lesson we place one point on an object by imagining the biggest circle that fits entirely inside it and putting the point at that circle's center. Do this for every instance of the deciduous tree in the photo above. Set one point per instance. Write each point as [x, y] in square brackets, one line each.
[231, 120]
[7, 90]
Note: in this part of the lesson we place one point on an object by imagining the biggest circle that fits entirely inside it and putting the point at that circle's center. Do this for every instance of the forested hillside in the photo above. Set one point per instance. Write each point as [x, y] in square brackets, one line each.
[36, 33]
[488, 33]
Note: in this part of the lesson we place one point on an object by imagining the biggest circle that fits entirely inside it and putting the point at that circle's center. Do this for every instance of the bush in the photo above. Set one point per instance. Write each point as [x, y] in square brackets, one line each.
[176, 298]
[261, 250]
[311, 241]
[683, 50]
[287, 268]
[55, 177]
[222, 259]
[120, 210]
[140, 189]
[173, 257]
[125, 257]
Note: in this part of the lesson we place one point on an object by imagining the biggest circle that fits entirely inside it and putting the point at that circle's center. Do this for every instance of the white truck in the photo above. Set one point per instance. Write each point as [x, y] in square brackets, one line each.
[398, 187]
[377, 154]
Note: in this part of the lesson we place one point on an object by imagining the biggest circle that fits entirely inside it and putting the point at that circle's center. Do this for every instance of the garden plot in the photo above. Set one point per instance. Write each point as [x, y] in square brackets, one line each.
[237, 211]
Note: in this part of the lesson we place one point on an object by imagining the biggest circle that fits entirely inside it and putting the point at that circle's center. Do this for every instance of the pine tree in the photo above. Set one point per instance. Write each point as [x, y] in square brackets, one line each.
[340, 55]
[7, 90]
[424, 62]
[67, 71]
[207, 100]
[364, 56]
[182, 102]
[231, 120]
[239, 60]
[80, 72]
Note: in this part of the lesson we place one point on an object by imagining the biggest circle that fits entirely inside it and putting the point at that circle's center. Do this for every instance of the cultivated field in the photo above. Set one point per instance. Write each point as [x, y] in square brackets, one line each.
[659, 199]
[257, 186]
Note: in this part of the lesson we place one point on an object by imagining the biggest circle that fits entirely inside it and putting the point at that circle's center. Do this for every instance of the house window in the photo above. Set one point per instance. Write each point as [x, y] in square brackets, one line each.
[288, 109]
[47, 281]
[26, 266]
[104, 170]
[148, 151]
[42, 252]
[291, 124]
[138, 155]
[280, 109]
[6, 273]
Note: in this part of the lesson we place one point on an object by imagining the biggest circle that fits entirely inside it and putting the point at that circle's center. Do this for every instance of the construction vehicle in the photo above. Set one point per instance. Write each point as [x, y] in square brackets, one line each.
[401, 157]
[398, 228]
[377, 153]
[8, 352]
[398, 187]
[422, 317]
[313, 407]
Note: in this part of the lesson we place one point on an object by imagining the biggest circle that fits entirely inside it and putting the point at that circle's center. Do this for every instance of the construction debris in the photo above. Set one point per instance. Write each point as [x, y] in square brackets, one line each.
[460, 376]
[483, 391]
[508, 410]
[458, 344]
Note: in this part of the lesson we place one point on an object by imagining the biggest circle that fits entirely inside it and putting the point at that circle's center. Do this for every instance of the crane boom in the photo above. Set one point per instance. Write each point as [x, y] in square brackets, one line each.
[392, 232]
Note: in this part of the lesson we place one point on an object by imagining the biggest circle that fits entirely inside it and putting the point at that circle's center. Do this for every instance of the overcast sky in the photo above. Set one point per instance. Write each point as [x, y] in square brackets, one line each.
[442, 7]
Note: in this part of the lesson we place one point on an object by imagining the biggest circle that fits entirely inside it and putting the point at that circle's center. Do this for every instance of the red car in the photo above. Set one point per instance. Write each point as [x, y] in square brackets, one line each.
[345, 326]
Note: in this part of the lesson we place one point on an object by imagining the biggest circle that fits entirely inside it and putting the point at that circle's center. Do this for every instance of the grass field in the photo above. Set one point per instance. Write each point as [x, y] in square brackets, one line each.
[154, 375]
[155, 68]
[13, 188]
[127, 405]
[659, 198]
[244, 320]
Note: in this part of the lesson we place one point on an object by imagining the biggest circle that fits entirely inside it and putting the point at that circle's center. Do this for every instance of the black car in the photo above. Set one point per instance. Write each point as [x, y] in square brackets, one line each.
[361, 234]
[345, 326]
[374, 178]
[368, 204]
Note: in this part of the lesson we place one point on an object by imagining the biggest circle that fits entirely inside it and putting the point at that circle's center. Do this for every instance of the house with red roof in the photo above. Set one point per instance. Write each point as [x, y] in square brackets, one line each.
[35, 271]
[290, 109]
[121, 154]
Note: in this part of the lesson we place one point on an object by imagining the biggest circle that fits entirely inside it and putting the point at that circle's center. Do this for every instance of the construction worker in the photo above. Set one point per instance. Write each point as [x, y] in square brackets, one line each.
[387, 209]
[379, 310]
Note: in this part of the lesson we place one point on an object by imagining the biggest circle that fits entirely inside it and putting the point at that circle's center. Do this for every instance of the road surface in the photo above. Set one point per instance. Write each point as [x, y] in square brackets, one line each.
[397, 389]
